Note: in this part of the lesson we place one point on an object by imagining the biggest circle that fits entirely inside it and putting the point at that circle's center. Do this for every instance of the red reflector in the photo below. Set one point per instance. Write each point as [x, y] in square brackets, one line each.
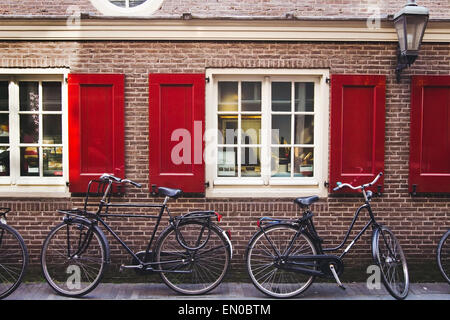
[219, 216]
[258, 223]
[229, 234]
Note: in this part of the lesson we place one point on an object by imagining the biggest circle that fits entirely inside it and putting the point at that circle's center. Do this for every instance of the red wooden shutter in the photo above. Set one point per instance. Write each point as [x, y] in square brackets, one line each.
[357, 129]
[96, 127]
[429, 163]
[177, 116]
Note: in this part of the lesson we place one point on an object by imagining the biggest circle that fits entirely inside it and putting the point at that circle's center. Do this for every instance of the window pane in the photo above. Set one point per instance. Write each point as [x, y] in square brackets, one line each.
[304, 129]
[281, 129]
[281, 162]
[29, 128]
[303, 162]
[52, 129]
[228, 96]
[4, 161]
[228, 129]
[51, 96]
[250, 162]
[251, 96]
[304, 96]
[29, 161]
[227, 162]
[52, 161]
[281, 96]
[29, 96]
[4, 128]
[4, 96]
[251, 129]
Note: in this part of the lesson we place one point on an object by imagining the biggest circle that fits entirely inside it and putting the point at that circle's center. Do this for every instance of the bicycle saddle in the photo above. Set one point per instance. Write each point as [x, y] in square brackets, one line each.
[173, 193]
[306, 201]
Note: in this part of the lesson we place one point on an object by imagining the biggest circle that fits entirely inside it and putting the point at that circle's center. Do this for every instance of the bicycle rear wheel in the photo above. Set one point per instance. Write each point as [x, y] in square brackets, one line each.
[13, 260]
[443, 256]
[263, 265]
[73, 258]
[389, 256]
[192, 272]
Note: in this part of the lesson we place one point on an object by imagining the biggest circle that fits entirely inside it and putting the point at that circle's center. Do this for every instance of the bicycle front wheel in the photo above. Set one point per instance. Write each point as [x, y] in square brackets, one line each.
[389, 256]
[13, 260]
[443, 256]
[263, 261]
[73, 258]
[192, 272]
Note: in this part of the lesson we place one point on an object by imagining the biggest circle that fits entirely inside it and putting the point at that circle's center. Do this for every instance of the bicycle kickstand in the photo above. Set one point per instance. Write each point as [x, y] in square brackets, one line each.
[333, 271]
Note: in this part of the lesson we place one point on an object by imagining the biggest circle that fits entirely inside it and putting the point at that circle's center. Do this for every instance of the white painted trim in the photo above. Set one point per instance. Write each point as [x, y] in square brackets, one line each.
[209, 29]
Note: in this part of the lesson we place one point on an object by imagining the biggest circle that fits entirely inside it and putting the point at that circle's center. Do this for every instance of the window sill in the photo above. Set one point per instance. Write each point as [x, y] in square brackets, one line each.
[33, 191]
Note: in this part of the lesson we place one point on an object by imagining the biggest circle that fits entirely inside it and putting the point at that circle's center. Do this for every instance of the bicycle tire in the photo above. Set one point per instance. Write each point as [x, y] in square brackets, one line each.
[261, 266]
[192, 272]
[443, 256]
[13, 260]
[388, 255]
[72, 266]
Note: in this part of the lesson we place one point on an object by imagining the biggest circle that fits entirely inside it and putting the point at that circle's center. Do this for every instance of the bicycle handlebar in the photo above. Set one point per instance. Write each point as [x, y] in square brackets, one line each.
[112, 178]
[341, 185]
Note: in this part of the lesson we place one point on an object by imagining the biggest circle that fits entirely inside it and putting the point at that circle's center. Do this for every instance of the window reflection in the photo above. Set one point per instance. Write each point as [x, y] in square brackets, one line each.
[227, 162]
[29, 96]
[4, 128]
[29, 128]
[51, 96]
[52, 161]
[228, 96]
[4, 161]
[4, 96]
[29, 161]
[303, 162]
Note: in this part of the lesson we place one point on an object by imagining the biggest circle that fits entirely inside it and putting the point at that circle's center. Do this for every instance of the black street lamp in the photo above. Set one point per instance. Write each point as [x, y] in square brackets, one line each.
[410, 23]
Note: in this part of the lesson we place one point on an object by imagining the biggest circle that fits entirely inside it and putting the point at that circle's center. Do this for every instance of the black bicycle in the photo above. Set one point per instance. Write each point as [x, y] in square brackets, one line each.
[285, 255]
[443, 256]
[13, 257]
[191, 255]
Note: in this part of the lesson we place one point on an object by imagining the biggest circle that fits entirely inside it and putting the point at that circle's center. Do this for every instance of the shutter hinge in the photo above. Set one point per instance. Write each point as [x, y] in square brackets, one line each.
[326, 184]
[67, 184]
[414, 190]
[207, 184]
[328, 80]
[207, 79]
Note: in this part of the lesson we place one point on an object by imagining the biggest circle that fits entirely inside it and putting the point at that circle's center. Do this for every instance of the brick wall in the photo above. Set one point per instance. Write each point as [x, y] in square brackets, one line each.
[417, 221]
[214, 8]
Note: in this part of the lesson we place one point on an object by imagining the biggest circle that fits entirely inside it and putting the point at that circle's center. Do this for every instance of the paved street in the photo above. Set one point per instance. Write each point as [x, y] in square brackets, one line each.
[232, 291]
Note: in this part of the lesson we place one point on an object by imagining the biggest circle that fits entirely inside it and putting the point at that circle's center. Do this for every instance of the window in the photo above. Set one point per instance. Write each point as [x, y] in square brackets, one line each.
[127, 7]
[271, 128]
[32, 132]
[127, 3]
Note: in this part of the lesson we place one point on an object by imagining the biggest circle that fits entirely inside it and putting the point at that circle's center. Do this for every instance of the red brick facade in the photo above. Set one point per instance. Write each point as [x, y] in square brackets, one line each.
[417, 221]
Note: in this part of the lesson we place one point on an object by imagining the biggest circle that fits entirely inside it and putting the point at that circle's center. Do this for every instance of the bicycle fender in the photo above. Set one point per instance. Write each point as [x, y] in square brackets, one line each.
[96, 228]
[227, 238]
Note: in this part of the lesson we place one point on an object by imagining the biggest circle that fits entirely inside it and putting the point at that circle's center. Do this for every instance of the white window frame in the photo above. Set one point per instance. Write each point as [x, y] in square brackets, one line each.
[267, 186]
[16, 185]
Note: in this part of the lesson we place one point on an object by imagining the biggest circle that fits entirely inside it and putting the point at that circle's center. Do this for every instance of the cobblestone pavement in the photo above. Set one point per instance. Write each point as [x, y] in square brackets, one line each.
[231, 291]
